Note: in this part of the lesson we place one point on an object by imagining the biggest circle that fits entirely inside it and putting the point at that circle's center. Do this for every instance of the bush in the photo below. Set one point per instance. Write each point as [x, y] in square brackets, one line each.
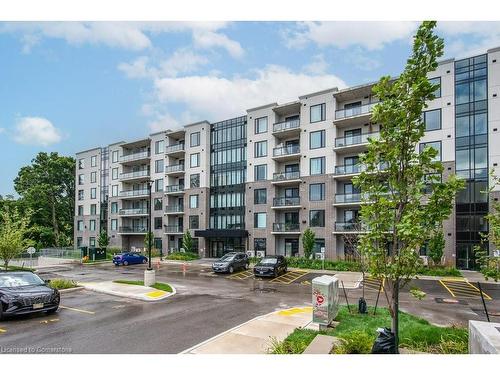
[63, 284]
[439, 271]
[182, 256]
[355, 342]
[295, 343]
[316, 264]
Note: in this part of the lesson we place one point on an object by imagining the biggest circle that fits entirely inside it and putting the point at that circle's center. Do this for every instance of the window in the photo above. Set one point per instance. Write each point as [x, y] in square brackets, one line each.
[79, 241]
[92, 225]
[81, 163]
[195, 139]
[93, 193]
[91, 241]
[80, 195]
[79, 225]
[318, 112]
[260, 196]
[114, 190]
[260, 149]
[157, 243]
[114, 174]
[159, 168]
[259, 244]
[81, 179]
[158, 223]
[434, 145]
[80, 210]
[114, 207]
[436, 81]
[159, 147]
[259, 220]
[317, 192]
[260, 172]
[114, 224]
[193, 201]
[318, 244]
[317, 165]
[114, 156]
[93, 209]
[317, 218]
[93, 161]
[432, 120]
[317, 139]
[195, 160]
[194, 222]
[159, 184]
[158, 204]
[93, 176]
[260, 125]
[194, 180]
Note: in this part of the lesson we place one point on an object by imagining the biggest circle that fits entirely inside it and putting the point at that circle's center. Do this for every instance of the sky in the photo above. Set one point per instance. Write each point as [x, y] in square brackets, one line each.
[71, 86]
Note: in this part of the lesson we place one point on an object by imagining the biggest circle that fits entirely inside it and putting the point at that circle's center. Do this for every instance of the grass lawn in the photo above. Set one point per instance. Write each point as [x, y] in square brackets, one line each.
[17, 268]
[415, 333]
[63, 284]
[160, 286]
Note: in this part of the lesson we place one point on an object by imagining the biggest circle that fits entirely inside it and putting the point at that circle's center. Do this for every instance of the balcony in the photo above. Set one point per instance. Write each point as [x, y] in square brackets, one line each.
[132, 230]
[354, 143]
[135, 157]
[350, 227]
[134, 193]
[175, 150]
[174, 190]
[135, 176]
[284, 202]
[286, 128]
[344, 170]
[287, 228]
[173, 229]
[174, 210]
[348, 199]
[286, 178]
[291, 152]
[174, 170]
[133, 212]
[344, 115]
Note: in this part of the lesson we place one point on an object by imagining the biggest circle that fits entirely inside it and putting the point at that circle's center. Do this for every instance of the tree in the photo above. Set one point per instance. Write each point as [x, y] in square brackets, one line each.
[47, 187]
[13, 232]
[103, 239]
[187, 242]
[308, 241]
[148, 239]
[436, 246]
[395, 177]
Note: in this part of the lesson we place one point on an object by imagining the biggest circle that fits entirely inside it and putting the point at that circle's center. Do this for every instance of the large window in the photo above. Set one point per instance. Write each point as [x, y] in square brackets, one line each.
[259, 244]
[93, 177]
[159, 184]
[81, 195]
[194, 180]
[194, 222]
[317, 165]
[114, 174]
[317, 139]
[93, 161]
[193, 201]
[432, 120]
[93, 209]
[114, 190]
[317, 192]
[114, 207]
[81, 179]
[195, 160]
[260, 172]
[436, 81]
[259, 220]
[79, 225]
[159, 166]
[158, 204]
[260, 125]
[159, 147]
[114, 156]
[81, 163]
[80, 210]
[435, 145]
[92, 225]
[260, 196]
[114, 224]
[317, 218]
[195, 139]
[91, 241]
[318, 112]
[158, 223]
[260, 149]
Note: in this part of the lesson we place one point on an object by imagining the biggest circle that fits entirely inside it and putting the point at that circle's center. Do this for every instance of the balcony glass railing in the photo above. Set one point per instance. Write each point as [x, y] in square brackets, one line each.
[350, 227]
[286, 227]
[136, 174]
[133, 211]
[287, 150]
[174, 148]
[173, 229]
[174, 189]
[135, 156]
[174, 168]
[283, 176]
[348, 198]
[355, 139]
[286, 125]
[174, 209]
[348, 169]
[284, 201]
[133, 230]
[354, 111]
[133, 193]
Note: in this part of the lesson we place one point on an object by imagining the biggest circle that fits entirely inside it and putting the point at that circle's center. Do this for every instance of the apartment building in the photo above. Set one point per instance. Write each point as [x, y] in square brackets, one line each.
[256, 182]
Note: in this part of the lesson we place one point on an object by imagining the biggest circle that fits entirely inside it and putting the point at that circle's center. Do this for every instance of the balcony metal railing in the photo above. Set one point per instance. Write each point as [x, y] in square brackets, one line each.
[355, 139]
[350, 226]
[135, 156]
[348, 169]
[174, 209]
[354, 111]
[174, 168]
[174, 189]
[136, 174]
[133, 230]
[286, 227]
[348, 198]
[133, 211]
[284, 201]
[287, 150]
[174, 148]
[133, 193]
[173, 229]
[286, 125]
[283, 176]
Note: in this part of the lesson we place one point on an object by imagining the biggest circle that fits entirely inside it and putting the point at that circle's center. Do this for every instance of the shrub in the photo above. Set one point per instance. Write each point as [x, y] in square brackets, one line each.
[355, 342]
[316, 264]
[439, 271]
[63, 284]
[295, 343]
[183, 256]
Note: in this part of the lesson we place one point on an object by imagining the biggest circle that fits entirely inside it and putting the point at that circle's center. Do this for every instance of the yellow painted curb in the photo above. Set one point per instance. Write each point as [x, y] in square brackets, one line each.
[294, 311]
[156, 294]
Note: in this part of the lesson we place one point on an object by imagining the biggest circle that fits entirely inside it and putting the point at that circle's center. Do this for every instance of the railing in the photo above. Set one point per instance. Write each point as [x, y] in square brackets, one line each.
[174, 189]
[349, 227]
[173, 229]
[354, 111]
[284, 201]
[135, 156]
[174, 168]
[282, 176]
[174, 209]
[286, 125]
[133, 193]
[133, 211]
[286, 227]
[132, 230]
[355, 139]
[348, 198]
[348, 169]
[143, 173]
[287, 150]
[174, 148]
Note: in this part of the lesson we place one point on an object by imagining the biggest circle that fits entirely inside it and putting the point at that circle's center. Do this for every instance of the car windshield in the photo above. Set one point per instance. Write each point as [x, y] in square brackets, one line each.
[269, 261]
[227, 257]
[20, 279]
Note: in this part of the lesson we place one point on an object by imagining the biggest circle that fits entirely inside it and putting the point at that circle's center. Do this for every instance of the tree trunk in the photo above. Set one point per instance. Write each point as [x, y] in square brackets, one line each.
[54, 222]
[395, 317]
[6, 264]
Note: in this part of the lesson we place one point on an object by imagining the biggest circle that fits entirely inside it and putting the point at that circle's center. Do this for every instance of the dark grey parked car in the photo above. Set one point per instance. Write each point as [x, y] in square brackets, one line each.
[231, 262]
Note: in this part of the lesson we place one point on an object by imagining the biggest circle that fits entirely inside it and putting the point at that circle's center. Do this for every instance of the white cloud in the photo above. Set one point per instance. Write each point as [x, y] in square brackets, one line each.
[368, 34]
[36, 131]
[208, 39]
[137, 68]
[362, 60]
[2, 130]
[318, 65]
[162, 122]
[486, 35]
[182, 61]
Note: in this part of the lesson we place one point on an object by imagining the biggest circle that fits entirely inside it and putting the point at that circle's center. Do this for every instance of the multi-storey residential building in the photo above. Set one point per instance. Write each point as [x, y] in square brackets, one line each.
[256, 182]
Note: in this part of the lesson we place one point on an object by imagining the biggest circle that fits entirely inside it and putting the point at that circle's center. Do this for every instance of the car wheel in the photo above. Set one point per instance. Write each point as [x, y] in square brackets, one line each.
[52, 311]
[125, 263]
[246, 266]
[144, 261]
[1, 311]
[116, 264]
[231, 269]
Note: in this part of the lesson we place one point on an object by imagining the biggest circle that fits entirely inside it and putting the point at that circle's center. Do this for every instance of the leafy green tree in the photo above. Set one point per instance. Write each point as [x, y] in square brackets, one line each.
[13, 232]
[187, 242]
[436, 246]
[103, 239]
[148, 239]
[308, 241]
[395, 175]
[47, 187]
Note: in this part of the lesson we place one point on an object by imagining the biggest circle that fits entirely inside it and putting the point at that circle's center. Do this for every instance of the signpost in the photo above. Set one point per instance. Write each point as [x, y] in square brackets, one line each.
[31, 250]
[323, 257]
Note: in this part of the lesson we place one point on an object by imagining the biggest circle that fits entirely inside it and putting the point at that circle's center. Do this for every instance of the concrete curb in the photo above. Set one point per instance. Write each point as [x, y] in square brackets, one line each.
[127, 295]
[70, 290]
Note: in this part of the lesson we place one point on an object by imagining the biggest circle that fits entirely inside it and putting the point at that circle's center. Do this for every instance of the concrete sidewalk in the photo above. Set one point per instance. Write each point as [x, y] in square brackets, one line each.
[254, 336]
[138, 292]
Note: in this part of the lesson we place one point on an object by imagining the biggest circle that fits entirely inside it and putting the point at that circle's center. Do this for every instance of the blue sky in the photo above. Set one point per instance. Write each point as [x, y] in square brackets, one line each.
[71, 86]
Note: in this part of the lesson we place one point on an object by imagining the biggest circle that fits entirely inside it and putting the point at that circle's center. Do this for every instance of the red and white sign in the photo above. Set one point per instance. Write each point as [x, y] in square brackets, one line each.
[320, 299]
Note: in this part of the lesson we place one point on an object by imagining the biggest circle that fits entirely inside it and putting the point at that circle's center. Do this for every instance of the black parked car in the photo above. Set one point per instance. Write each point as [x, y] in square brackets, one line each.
[231, 262]
[272, 265]
[25, 292]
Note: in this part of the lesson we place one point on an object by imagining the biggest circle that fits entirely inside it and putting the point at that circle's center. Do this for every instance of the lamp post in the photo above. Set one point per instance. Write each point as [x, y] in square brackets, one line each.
[149, 274]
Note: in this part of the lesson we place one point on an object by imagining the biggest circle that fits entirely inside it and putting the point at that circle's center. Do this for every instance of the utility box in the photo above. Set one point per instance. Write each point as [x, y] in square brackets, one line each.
[325, 299]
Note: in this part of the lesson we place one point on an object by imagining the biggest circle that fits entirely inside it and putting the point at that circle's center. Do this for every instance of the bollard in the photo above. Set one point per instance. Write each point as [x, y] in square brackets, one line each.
[184, 268]
[158, 265]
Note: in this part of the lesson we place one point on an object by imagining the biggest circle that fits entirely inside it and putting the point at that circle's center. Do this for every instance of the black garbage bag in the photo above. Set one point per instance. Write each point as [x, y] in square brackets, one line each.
[385, 342]
[362, 308]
